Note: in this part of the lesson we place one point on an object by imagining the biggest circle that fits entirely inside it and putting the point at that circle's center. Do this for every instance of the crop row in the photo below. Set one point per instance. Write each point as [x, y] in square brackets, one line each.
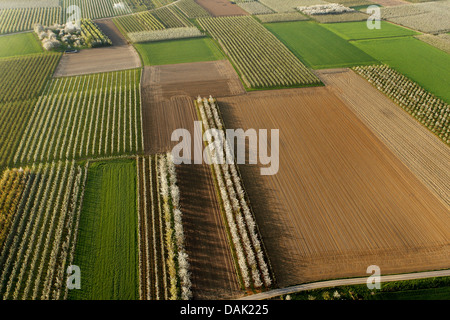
[9, 4]
[12, 184]
[95, 9]
[41, 241]
[191, 9]
[23, 78]
[289, 5]
[94, 37]
[431, 111]
[165, 34]
[281, 17]
[84, 116]
[140, 5]
[164, 266]
[167, 17]
[245, 240]
[144, 21]
[255, 7]
[15, 20]
[13, 120]
[261, 58]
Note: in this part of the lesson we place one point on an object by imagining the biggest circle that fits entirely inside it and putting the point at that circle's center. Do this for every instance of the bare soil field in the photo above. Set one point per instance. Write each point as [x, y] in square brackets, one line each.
[213, 271]
[341, 200]
[222, 8]
[168, 93]
[161, 118]
[110, 30]
[421, 151]
[120, 56]
[217, 78]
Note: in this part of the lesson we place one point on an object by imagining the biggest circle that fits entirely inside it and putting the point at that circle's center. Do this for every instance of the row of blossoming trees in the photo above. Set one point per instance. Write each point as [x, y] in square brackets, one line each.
[164, 266]
[40, 210]
[40, 229]
[245, 241]
[84, 117]
[431, 111]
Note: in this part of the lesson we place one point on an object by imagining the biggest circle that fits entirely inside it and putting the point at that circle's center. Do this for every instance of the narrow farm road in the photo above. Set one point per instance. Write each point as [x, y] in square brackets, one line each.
[344, 282]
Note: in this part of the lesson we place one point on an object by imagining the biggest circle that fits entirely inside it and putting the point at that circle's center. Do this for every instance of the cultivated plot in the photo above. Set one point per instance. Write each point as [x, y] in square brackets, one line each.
[19, 44]
[418, 148]
[179, 51]
[273, 65]
[43, 232]
[120, 56]
[213, 272]
[420, 62]
[318, 47]
[221, 8]
[430, 17]
[168, 94]
[331, 211]
[106, 249]
[359, 30]
[84, 116]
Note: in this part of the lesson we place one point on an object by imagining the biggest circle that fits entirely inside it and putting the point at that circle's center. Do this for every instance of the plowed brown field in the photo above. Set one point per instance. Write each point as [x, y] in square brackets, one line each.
[341, 200]
[168, 92]
[222, 8]
[167, 104]
[213, 271]
[421, 151]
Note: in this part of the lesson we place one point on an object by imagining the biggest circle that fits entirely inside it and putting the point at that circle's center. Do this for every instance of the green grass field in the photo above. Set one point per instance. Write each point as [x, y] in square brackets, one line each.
[359, 31]
[107, 247]
[422, 63]
[179, 51]
[318, 47]
[19, 44]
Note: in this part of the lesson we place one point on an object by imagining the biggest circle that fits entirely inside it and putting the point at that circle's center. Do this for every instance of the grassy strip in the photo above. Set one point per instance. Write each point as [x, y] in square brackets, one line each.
[178, 51]
[19, 44]
[106, 250]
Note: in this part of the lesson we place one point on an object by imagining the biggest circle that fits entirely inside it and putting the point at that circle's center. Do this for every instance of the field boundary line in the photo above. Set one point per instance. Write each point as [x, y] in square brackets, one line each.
[344, 282]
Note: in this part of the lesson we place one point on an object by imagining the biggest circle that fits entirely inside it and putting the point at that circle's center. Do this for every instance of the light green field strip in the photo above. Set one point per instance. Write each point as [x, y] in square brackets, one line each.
[19, 44]
[422, 63]
[106, 251]
[179, 51]
[359, 30]
[318, 47]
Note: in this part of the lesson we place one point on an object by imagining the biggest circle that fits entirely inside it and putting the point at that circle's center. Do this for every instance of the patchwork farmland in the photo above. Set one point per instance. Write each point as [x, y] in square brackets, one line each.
[315, 215]
[94, 205]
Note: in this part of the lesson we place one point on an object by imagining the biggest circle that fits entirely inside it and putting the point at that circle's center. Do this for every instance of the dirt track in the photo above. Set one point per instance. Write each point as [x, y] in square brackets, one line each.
[120, 56]
[341, 200]
[222, 8]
